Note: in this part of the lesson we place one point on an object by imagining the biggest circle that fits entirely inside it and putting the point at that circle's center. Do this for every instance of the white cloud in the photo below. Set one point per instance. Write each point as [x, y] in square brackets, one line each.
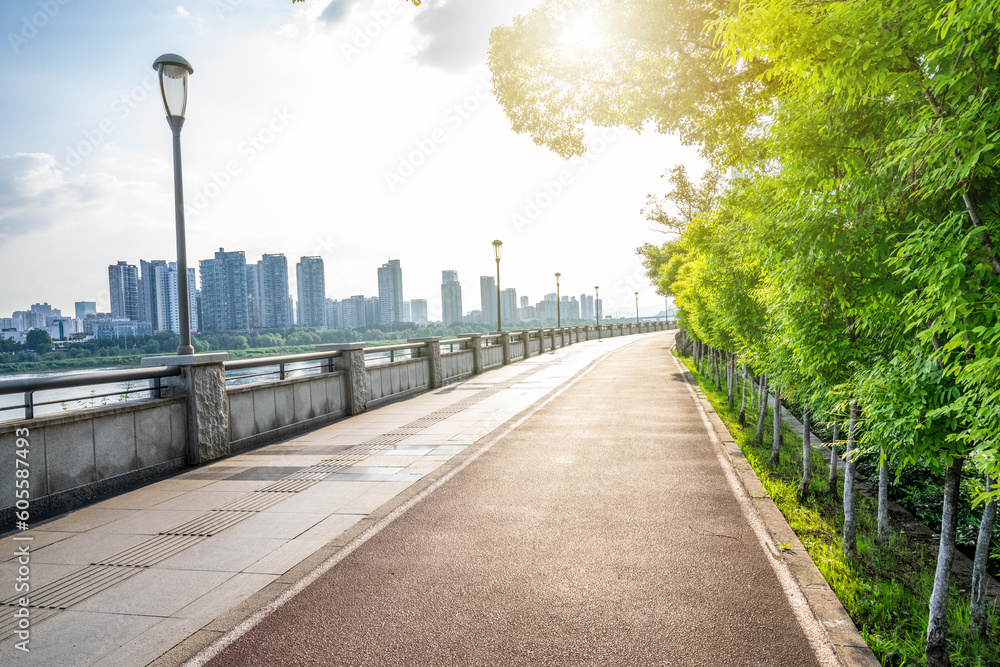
[183, 12]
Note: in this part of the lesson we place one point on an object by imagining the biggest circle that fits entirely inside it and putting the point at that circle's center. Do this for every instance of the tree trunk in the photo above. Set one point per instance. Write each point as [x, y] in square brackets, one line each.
[937, 622]
[806, 454]
[776, 445]
[743, 399]
[832, 480]
[977, 607]
[850, 517]
[730, 377]
[758, 438]
[883, 497]
[718, 370]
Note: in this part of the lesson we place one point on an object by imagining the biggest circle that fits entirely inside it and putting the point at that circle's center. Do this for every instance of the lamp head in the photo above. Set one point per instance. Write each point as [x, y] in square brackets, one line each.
[497, 249]
[173, 71]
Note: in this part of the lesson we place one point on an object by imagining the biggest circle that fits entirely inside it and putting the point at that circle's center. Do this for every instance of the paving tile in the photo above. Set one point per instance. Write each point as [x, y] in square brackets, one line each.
[199, 500]
[326, 497]
[373, 499]
[85, 548]
[140, 498]
[154, 592]
[41, 574]
[217, 601]
[148, 522]
[74, 638]
[223, 553]
[83, 520]
[39, 539]
[152, 643]
[331, 527]
[286, 556]
[282, 526]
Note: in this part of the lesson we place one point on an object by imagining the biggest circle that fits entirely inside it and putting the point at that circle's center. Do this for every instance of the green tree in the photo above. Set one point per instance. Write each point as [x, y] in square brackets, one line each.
[38, 340]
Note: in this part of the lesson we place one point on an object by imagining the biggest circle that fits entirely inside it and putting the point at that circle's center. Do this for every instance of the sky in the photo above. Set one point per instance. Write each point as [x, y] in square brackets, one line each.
[355, 130]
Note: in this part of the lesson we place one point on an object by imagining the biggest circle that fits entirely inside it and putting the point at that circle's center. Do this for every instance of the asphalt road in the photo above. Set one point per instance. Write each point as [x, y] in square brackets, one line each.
[601, 531]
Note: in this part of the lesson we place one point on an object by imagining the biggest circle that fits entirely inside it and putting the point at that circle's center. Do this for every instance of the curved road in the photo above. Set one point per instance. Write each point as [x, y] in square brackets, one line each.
[600, 531]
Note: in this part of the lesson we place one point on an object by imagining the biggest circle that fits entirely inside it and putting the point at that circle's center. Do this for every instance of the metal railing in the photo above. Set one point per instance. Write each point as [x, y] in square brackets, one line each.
[282, 363]
[29, 386]
[387, 354]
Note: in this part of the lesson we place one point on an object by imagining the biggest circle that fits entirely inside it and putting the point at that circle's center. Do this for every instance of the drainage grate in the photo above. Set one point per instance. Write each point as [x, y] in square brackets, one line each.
[254, 502]
[287, 486]
[76, 587]
[209, 524]
[9, 623]
[152, 551]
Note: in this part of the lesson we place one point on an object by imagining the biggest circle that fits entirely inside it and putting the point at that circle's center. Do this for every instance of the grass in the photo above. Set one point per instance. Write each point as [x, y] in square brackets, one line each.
[886, 590]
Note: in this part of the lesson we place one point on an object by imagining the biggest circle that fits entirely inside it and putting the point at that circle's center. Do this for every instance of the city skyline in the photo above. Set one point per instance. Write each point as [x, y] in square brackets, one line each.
[88, 183]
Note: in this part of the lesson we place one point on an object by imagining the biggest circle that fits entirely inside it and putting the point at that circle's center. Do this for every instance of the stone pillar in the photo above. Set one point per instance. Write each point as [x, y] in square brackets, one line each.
[432, 352]
[476, 345]
[526, 337]
[203, 383]
[505, 341]
[352, 362]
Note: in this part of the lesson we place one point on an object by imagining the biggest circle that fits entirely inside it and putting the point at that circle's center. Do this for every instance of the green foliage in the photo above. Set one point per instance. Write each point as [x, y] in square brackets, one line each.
[38, 340]
[886, 590]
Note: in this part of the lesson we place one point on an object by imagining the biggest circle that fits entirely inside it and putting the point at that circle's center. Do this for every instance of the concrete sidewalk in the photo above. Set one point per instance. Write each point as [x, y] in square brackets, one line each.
[125, 580]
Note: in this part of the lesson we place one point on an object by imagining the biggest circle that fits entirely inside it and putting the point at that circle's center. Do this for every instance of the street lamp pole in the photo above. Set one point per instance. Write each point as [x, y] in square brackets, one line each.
[637, 308]
[497, 251]
[558, 303]
[597, 304]
[173, 72]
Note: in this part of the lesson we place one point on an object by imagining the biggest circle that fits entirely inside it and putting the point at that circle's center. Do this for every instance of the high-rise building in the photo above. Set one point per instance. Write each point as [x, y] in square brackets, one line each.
[570, 308]
[253, 297]
[84, 308]
[451, 298]
[46, 310]
[390, 292]
[418, 309]
[272, 295]
[333, 320]
[524, 302]
[407, 315]
[373, 311]
[358, 314]
[586, 307]
[488, 298]
[148, 288]
[224, 296]
[311, 279]
[123, 285]
[508, 305]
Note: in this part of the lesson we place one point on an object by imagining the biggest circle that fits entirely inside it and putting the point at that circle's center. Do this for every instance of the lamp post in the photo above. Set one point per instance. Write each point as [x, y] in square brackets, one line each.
[173, 74]
[597, 305]
[637, 308]
[558, 304]
[497, 251]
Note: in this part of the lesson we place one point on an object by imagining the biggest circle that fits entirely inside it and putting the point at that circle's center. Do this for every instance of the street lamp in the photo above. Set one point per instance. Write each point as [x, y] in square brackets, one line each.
[637, 308]
[173, 73]
[497, 251]
[558, 304]
[597, 305]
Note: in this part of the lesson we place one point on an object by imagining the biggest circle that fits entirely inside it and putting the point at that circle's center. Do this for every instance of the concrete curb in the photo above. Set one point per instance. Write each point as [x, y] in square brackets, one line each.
[847, 642]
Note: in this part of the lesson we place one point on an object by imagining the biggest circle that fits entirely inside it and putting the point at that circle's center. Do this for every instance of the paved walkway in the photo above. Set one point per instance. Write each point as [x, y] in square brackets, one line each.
[127, 580]
[602, 530]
